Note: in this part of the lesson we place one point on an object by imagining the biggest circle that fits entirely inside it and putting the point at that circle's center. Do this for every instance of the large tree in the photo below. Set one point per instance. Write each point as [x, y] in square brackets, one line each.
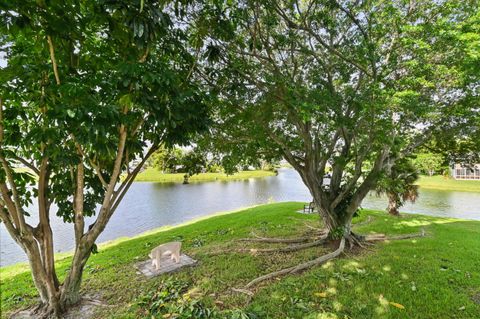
[463, 146]
[351, 85]
[89, 87]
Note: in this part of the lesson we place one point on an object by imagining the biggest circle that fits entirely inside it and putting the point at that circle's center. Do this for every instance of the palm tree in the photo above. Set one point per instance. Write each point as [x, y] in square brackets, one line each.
[398, 185]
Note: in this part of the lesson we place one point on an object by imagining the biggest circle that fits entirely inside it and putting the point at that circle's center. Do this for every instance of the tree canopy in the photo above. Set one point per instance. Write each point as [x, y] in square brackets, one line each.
[88, 88]
[428, 163]
[92, 89]
[354, 86]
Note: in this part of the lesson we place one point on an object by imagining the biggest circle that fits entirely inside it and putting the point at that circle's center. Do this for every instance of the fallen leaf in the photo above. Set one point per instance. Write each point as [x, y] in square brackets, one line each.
[194, 292]
[397, 305]
[414, 287]
[321, 294]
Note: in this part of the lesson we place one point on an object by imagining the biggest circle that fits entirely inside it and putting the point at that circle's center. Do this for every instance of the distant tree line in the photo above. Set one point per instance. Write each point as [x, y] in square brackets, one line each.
[193, 161]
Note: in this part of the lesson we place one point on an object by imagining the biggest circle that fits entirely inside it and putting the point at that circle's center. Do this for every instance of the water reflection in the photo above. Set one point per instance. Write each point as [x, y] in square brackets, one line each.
[436, 203]
[151, 205]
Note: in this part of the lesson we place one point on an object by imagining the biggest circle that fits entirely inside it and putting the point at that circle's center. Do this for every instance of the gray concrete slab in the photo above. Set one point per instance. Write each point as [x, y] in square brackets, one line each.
[166, 265]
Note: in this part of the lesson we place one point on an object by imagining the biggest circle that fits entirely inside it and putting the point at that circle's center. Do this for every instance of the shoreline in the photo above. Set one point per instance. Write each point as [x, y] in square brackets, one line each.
[113, 268]
[114, 242]
[448, 184]
[155, 176]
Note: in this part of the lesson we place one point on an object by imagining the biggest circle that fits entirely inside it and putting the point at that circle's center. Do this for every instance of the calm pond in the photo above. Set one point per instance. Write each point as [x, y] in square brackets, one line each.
[151, 205]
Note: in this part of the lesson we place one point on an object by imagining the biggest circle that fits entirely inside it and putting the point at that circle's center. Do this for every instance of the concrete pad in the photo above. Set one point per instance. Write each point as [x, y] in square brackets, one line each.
[166, 265]
[302, 212]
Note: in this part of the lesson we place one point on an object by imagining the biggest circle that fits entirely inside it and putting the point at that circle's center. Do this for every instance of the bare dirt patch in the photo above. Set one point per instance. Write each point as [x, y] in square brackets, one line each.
[85, 309]
[476, 298]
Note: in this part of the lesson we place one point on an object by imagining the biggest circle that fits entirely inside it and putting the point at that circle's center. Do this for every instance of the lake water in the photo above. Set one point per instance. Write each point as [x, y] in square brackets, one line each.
[151, 205]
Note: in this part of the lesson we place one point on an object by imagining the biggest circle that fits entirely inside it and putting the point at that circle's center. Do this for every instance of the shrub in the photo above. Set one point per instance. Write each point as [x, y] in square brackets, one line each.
[174, 299]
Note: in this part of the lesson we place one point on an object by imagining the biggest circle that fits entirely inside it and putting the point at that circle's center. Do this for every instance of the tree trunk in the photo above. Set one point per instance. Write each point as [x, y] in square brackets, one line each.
[338, 225]
[338, 222]
[37, 242]
[54, 298]
[392, 207]
[70, 290]
[44, 278]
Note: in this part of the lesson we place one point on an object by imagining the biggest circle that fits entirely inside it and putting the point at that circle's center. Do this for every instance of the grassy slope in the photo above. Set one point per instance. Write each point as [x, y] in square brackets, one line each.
[154, 175]
[440, 182]
[443, 268]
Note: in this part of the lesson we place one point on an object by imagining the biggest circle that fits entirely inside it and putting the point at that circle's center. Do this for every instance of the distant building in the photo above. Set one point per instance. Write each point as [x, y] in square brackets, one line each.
[460, 171]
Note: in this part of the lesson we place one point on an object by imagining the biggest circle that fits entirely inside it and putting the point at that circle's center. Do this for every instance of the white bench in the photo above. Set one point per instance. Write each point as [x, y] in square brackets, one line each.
[172, 249]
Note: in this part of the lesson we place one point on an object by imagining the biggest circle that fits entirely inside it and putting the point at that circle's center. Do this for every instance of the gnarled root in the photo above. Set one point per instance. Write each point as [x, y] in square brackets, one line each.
[307, 224]
[354, 239]
[365, 222]
[243, 291]
[40, 311]
[316, 229]
[321, 233]
[382, 237]
[291, 248]
[287, 249]
[276, 240]
[300, 267]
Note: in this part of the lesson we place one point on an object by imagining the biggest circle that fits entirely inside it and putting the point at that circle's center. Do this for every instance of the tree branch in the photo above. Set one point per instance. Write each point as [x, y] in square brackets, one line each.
[52, 57]
[122, 190]
[27, 164]
[4, 217]
[18, 207]
[79, 226]
[319, 39]
[104, 214]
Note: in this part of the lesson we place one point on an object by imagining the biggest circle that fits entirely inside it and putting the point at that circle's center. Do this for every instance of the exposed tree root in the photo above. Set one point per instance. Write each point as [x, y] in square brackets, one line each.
[283, 249]
[382, 237]
[355, 239]
[276, 240]
[300, 267]
[320, 233]
[287, 249]
[321, 230]
[84, 309]
[243, 291]
[365, 222]
[290, 248]
[40, 311]
[45, 312]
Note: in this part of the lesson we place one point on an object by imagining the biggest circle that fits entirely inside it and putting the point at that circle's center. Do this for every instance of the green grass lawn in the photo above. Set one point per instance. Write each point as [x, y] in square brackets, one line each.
[437, 276]
[154, 175]
[440, 182]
